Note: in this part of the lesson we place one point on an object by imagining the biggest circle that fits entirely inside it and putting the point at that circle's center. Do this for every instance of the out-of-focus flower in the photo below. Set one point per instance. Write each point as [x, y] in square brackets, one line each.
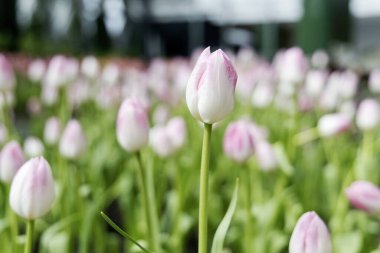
[33, 147]
[32, 190]
[320, 59]
[292, 66]
[239, 143]
[266, 156]
[365, 196]
[263, 94]
[132, 126]
[34, 106]
[73, 141]
[90, 67]
[61, 71]
[349, 84]
[211, 86]
[36, 70]
[11, 159]
[7, 78]
[310, 235]
[177, 132]
[315, 83]
[368, 114]
[161, 114]
[110, 74]
[333, 124]
[374, 81]
[52, 130]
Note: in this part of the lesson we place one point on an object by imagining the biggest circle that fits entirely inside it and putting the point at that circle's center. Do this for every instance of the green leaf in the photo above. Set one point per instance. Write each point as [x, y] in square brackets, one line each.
[283, 159]
[123, 233]
[220, 234]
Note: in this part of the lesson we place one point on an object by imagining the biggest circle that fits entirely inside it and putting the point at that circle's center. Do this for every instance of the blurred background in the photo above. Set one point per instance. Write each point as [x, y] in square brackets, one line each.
[151, 28]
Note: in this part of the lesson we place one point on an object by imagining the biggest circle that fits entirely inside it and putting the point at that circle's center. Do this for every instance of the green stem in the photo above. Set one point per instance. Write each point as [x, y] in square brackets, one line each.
[248, 224]
[203, 190]
[29, 236]
[147, 188]
[12, 218]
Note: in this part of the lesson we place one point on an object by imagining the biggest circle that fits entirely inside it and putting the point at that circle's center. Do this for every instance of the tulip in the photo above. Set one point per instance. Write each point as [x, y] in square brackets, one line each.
[263, 94]
[293, 66]
[211, 86]
[36, 70]
[320, 59]
[72, 141]
[160, 142]
[33, 146]
[333, 124]
[368, 114]
[239, 141]
[132, 126]
[110, 74]
[374, 81]
[7, 78]
[90, 67]
[52, 130]
[266, 156]
[32, 190]
[161, 114]
[176, 130]
[315, 83]
[60, 71]
[310, 235]
[365, 196]
[11, 159]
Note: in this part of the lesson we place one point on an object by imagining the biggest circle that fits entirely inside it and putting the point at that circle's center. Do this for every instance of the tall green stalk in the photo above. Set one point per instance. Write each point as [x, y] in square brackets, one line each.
[29, 237]
[203, 190]
[12, 219]
[248, 225]
[147, 188]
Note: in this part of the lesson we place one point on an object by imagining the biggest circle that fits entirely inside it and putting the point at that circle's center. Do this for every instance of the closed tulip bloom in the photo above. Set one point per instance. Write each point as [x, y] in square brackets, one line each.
[36, 70]
[52, 130]
[333, 124]
[211, 86]
[11, 159]
[132, 126]
[310, 235]
[160, 141]
[176, 130]
[239, 141]
[90, 66]
[368, 114]
[266, 156]
[32, 190]
[374, 81]
[33, 146]
[73, 141]
[365, 196]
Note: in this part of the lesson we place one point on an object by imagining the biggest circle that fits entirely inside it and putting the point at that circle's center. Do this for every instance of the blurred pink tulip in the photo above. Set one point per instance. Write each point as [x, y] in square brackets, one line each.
[266, 156]
[52, 130]
[11, 159]
[368, 114]
[333, 124]
[73, 141]
[365, 196]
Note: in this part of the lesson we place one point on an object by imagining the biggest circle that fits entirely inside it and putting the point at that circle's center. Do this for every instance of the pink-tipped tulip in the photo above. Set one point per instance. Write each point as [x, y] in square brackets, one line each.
[365, 196]
[368, 114]
[333, 124]
[33, 147]
[211, 86]
[32, 190]
[52, 130]
[11, 159]
[73, 141]
[310, 235]
[176, 130]
[239, 141]
[132, 126]
[160, 142]
[266, 156]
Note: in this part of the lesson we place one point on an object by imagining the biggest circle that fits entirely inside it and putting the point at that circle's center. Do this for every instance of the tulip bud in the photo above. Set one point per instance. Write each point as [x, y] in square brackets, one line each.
[11, 159]
[315, 82]
[310, 235]
[33, 147]
[176, 130]
[72, 141]
[333, 124]
[160, 142]
[374, 81]
[132, 126]
[7, 78]
[368, 114]
[211, 86]
[90, 67]
[266, 155]
[52, 130]
[365, 196]
[32, 190]
[239, 141]
[36, 70]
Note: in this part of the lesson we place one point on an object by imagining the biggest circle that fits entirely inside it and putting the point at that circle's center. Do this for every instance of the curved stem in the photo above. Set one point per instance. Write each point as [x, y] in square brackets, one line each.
[147, 188]
[203, 190]
[29, 236]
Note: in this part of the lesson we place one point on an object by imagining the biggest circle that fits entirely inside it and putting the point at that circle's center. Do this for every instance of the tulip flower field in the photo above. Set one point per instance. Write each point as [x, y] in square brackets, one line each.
[216, 153]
